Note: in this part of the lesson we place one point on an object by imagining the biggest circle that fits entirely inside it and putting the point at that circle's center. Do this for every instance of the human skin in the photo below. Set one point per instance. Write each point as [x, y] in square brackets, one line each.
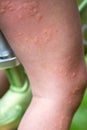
[4, 84]
[46, 37]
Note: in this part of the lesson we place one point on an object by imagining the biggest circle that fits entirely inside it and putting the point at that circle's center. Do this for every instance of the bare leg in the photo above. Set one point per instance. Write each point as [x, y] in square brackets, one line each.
[46, 36]
[3, 83]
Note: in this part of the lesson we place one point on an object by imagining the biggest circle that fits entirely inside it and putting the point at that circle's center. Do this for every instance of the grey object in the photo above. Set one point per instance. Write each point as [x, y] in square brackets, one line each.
[7, 56]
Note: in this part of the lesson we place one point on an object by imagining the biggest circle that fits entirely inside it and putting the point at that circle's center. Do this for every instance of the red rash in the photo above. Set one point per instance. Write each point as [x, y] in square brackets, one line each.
[46, 36]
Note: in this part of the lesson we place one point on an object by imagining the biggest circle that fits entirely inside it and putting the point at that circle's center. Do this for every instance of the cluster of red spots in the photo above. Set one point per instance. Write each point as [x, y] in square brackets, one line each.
[6, 6]
[31, 7]
[21, 36]
[33, 10]
[66, 74]
[44, 37]
[24, 9]
[28, 8]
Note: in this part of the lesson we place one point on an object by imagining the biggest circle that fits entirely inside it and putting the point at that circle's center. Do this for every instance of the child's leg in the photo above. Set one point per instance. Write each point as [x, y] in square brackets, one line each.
[46, 36]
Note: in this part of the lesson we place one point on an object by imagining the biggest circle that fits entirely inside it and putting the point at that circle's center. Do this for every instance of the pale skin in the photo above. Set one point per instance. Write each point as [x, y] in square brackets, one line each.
[46, 37]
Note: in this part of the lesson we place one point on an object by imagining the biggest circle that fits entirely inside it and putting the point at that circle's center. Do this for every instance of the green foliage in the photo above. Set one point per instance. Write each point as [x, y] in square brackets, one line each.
[79, 2]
